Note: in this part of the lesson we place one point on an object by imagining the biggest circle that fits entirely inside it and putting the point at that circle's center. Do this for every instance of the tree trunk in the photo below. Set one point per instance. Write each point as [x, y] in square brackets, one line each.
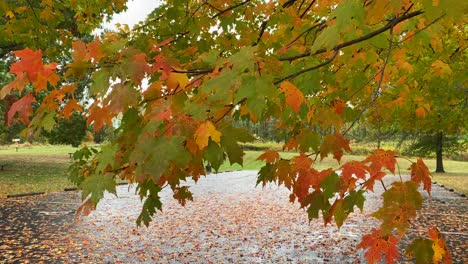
[439, 149]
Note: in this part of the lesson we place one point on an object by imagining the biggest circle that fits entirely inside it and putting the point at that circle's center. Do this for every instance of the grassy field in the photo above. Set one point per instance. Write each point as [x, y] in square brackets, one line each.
[43, 169]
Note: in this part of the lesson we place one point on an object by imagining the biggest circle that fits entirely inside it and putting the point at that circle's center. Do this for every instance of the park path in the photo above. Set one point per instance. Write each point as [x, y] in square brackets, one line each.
[229, 221]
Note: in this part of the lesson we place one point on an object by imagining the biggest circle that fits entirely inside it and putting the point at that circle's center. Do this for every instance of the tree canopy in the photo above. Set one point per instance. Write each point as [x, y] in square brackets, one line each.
[174, 84]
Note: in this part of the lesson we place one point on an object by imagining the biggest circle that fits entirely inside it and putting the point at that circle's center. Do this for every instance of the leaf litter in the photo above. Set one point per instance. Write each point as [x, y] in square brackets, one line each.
[229, 221]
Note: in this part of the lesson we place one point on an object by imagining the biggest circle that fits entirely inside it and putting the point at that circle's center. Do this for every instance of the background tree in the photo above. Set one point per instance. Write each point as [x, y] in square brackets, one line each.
[69, 131]
[306, 64]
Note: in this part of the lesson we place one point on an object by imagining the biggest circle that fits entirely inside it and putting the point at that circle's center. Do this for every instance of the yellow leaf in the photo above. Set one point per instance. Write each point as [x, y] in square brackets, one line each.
[206, 131]
[176, 81]
[441, 68]
[10, 14]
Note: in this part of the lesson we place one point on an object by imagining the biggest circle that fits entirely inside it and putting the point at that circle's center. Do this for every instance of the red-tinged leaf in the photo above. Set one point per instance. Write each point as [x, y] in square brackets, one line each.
[382, 158]
[24, 109]
[71, 106]
[420, 112]
[95, 51]
[377, 244]
[79, 50]
[206, 131]
[30, 61]
[161, 65]
[354, 168]
[270, 156]
[420, 174]
[338, 106]
[86, 207]
[301, 162]
[294, 96]
[157, 48]
[334, 144]
[99, 116]
[374, 176]
[441, 252]
[138, 68]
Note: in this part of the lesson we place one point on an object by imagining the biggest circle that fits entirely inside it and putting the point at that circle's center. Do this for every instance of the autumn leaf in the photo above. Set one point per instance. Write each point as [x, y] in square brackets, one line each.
[382, 158]
[23, 107]
[441, 251]
[270, 156]
[71, 106]
[420, 174]
[400, 204]
[294, 96]
[204, 132]
[354, 168]
[378, 243]
[335, 144]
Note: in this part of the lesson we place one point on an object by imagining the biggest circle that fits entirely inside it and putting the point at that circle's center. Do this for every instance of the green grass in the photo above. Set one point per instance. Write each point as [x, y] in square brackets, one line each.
[23, 176]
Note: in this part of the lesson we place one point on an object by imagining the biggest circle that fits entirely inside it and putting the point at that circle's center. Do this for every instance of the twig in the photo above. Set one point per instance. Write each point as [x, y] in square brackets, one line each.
[230, 8]
[294, 75]
[372, 34]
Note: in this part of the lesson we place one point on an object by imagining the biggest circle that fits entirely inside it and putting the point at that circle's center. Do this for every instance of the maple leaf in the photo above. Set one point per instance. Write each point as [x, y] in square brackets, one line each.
[99, 116]
[421, 249]
[400, 204]
[270, 156]
[420, 174]
[182, 194]
[71, 106]
[176, 81]
[378, 243]
[354, 168]
[382, 158]
[23, 107]
[294, 96]
[301, 162]
[334, 144]
[95, 51]
[439, 247]
[338, 106]
[30, 61]
[206, 131]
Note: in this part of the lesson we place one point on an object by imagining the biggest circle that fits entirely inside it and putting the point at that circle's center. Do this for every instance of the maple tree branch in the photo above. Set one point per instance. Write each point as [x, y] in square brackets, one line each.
[307, 9]
[372, 34]
[305, 32]
[262, 30]
[231, 8]
[34, 12]
[194, 71]
[420, 30]
[294, 75]
[231, 107]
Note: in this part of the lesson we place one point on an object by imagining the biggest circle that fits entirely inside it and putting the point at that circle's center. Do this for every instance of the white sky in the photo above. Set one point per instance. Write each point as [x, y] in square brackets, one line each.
[137, 10]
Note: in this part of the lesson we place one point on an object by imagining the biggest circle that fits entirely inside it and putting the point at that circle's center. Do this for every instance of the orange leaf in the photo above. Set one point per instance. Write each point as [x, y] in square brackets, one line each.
[270, 156]
[354, 168]
[420, 174]
[176, 81]
[23, 107]
[71, 106]
[441, 251]
[382, 158]
[301, 162]
[99, 116]
[338, 106]
[294, 96]
[377, 244]
[205, 131]
[95, 52]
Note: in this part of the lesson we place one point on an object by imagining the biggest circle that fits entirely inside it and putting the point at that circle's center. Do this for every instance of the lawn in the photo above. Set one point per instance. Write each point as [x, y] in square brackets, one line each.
[43, 169]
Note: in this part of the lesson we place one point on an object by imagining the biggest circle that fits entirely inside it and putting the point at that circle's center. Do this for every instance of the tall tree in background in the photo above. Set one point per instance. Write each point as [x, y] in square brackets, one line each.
[305, 63]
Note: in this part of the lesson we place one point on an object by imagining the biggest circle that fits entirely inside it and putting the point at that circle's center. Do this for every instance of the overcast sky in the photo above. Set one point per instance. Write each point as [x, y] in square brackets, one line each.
[136, 12]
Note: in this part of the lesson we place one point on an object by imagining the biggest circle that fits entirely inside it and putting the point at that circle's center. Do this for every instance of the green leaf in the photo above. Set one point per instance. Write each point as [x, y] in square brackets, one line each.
[96, 185]
[106, 157]
[330, 185]
[150, 190]
[308, 140]
[317, 202]
[214, 155]
[266, 174]
[100, 83]
[421, 250]
[230, 137]
[244, 60]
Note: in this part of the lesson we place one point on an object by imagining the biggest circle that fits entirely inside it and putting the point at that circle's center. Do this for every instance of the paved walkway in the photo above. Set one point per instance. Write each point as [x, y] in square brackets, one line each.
[229, 221]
